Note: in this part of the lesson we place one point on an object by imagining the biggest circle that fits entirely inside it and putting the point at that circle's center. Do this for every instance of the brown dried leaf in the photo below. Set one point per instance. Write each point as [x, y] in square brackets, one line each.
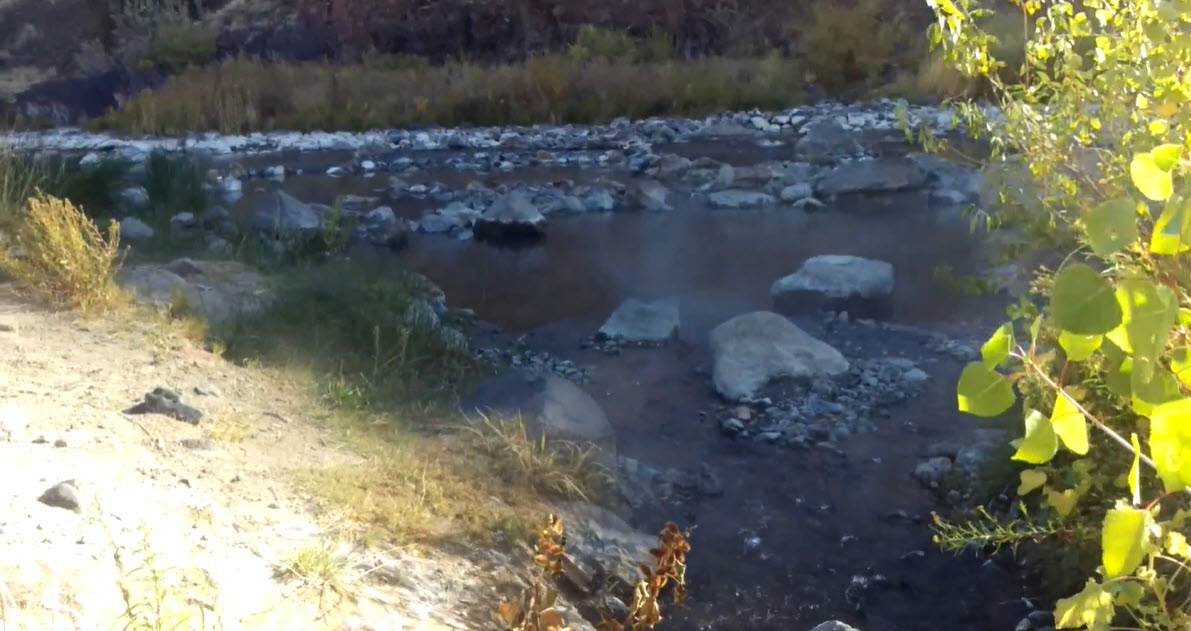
[509, 614]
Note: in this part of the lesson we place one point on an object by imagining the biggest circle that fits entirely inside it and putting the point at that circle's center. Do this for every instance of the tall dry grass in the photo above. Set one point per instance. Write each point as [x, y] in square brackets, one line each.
[242, 95]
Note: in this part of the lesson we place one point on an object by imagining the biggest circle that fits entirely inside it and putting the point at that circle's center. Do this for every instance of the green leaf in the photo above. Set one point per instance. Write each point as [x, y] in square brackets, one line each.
[1135, 471]
[1152, 180]
[1148, 311]
[1031, 479]
[1111, 226]
[1083, 303]
[1091, 608]
[1040, 443]
[1118, 374]
[1170, 443]
[1070, 426]
[1160, 388]
[1126, 593]
[1172, 230]
[1185, 317]
[983, 392]
[1079, 347]
[1064, 502]
[1166, 157]
[1035, 327]
[1124, 540]
[1180, 364]
[996, 350]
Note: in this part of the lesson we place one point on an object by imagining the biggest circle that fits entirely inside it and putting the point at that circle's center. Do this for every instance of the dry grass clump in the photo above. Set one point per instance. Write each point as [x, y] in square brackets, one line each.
[243, 95]
[60, 256]
[557, 468]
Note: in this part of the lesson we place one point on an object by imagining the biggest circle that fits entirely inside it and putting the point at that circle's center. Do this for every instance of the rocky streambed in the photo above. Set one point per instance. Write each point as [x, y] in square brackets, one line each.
[741, 310]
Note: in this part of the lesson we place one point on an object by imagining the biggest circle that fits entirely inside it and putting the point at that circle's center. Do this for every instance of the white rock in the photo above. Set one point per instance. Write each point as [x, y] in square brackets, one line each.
[753, 349]
[134, 229]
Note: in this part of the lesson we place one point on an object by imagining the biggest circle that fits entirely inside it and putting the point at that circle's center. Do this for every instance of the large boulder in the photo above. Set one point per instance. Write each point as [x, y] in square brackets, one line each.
[833, 282]
[215, 291]
[639, 321]
[511, 217]
[550, 407]
[282, 214]
[825, 140]
[754, 349]
[872, 176]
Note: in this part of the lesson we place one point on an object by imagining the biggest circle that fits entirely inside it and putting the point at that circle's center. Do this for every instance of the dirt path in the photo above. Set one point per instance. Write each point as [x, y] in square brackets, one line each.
[215, 498]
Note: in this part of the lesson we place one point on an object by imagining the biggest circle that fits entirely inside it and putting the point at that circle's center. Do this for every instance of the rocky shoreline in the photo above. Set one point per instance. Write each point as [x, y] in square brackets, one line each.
[881, 116]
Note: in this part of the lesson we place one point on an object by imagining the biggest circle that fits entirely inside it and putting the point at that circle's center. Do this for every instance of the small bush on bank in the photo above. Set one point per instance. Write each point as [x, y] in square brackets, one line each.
[59, 255]
[857, 43]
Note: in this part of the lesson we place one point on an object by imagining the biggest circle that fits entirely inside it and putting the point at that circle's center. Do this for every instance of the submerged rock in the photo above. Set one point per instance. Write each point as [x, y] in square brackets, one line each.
[825, 140]
[862, 287]
[652, 196]
[754, 349]
[638, 321]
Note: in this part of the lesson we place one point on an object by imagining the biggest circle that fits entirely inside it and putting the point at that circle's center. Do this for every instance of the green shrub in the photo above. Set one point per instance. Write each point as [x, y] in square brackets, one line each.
[177, 45]
[845, 44]
[1101, 364]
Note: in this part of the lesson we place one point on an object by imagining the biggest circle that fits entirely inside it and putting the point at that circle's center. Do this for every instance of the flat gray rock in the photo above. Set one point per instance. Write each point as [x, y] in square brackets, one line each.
[825, 140]
[283, 214]
[754, 349]
[639, 321]
[886, 175]
[834, 625]
[736, 199]
[862, 287]
[133, 229]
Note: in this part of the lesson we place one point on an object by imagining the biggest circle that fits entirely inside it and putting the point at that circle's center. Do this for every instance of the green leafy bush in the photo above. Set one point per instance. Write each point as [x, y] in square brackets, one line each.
[594, 42]
[1101, 361]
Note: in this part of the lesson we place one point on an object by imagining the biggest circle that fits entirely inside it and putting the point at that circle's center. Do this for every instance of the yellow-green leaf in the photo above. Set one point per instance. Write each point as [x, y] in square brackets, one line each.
[1124, 540]
[1091, 608]
[1170, 443]
[1159, 127]
[1031, 479]
[1063, 502]
[1180, 364]
[983, 392]
[1079, 347]
[1135, 471]
[1111, 226]
[1172, 230]
[1153, 181]
[1070, 426]
[1083, 302]
[1148, 311]
[996, 350]
[1176, 544]
[1166, 157]
[1039, 444]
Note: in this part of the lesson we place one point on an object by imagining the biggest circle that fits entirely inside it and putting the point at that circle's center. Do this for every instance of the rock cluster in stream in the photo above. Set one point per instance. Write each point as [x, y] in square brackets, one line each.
[535, 364]
[827, 411]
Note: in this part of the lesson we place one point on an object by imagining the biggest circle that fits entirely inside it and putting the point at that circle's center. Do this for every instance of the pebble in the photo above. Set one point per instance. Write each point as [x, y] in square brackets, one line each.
[75, 438]
[8, 327]
[65, 495]
[206, 390]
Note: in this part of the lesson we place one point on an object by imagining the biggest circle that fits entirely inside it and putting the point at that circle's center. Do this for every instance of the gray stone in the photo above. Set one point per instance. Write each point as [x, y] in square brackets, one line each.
[979, 449]
[736, 199]
[915, 375]
[872, 176]
[931, 473]
[381, 215]
[825, 140]
[638, 321]
[183, 221]
[65, 495]
[135, 196]
[861, 287]
[551, 407]
[653, 196]
[214, 290]
[599, 200]
[282, 214]
[725, 177]
[753, 349]
[511, 215]
[834, 625]
[795, 192]
[133, 229]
